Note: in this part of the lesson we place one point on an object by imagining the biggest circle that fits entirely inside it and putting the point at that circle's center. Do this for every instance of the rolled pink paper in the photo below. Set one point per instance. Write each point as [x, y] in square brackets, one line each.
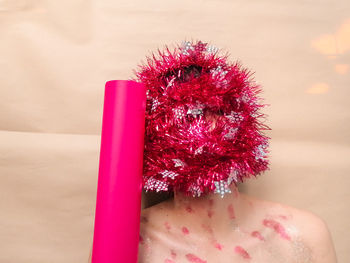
[118, 203]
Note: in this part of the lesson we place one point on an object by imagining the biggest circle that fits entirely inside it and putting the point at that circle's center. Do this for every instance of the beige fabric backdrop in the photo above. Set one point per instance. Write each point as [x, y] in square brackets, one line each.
[55, 57]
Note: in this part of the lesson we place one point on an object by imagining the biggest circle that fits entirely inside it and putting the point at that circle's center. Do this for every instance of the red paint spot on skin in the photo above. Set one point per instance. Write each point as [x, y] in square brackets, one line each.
[283, 217]
[218, 246]
[231, 211]
[194, 258]
[210, 213]
[168, 261]
[173, 254]
[185, 230]
[141, 240]
[257, 235]
[167, 226]
[189, 209]
[250, 203]
[242, 252]
[277, 227]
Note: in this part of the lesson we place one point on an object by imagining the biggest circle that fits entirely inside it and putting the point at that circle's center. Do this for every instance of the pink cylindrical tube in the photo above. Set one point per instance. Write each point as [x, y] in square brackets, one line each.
[118, 202]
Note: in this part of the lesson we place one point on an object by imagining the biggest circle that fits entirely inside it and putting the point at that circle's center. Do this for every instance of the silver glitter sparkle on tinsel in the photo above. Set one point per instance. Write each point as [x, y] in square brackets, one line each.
[195, 112]
[231, 134]
[218, 71]
[186, 46]
[234, 117]
[147, 94]
[199, 150]
[212, 49]
[247, 98]
[169, 174]
[196, 109]
[222, 187]
[178, 163]
[154, 184]
[195, 190]
[260, 151]
[155, 104]
[233, 176]
[179, 112]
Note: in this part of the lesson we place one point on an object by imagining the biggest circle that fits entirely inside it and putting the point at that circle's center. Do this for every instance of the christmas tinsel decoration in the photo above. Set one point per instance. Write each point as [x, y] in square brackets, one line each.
[182, 151]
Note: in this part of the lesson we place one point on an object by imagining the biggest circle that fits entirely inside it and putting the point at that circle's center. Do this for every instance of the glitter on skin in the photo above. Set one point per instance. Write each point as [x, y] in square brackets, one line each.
[242, 252]
[277, 227]
[167, 226]
[302, 252]
[231, 211]
[257, 235]
[185, 230]
[193, 258]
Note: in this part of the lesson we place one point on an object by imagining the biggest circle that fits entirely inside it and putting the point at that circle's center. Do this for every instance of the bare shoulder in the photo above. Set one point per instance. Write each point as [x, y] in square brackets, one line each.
[314, 230]
[311, 228]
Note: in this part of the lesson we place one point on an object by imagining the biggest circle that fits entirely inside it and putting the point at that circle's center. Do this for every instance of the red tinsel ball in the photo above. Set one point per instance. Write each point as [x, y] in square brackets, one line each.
[185, 150]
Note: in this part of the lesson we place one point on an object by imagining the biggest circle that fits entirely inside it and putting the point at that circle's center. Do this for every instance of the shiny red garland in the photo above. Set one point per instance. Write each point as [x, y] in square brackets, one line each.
[181, 151]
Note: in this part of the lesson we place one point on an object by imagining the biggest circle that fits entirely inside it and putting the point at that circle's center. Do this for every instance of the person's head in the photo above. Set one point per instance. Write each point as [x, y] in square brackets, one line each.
[202, 127]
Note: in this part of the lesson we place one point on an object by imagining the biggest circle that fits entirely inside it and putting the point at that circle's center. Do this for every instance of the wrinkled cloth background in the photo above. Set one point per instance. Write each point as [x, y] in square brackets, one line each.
[55, 57]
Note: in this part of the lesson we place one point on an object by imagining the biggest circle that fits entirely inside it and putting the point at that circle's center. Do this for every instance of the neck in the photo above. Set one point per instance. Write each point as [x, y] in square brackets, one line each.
[213, 210]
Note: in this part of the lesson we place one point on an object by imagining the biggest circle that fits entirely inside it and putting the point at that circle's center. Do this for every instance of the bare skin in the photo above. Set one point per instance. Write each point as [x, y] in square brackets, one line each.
[236, 228]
